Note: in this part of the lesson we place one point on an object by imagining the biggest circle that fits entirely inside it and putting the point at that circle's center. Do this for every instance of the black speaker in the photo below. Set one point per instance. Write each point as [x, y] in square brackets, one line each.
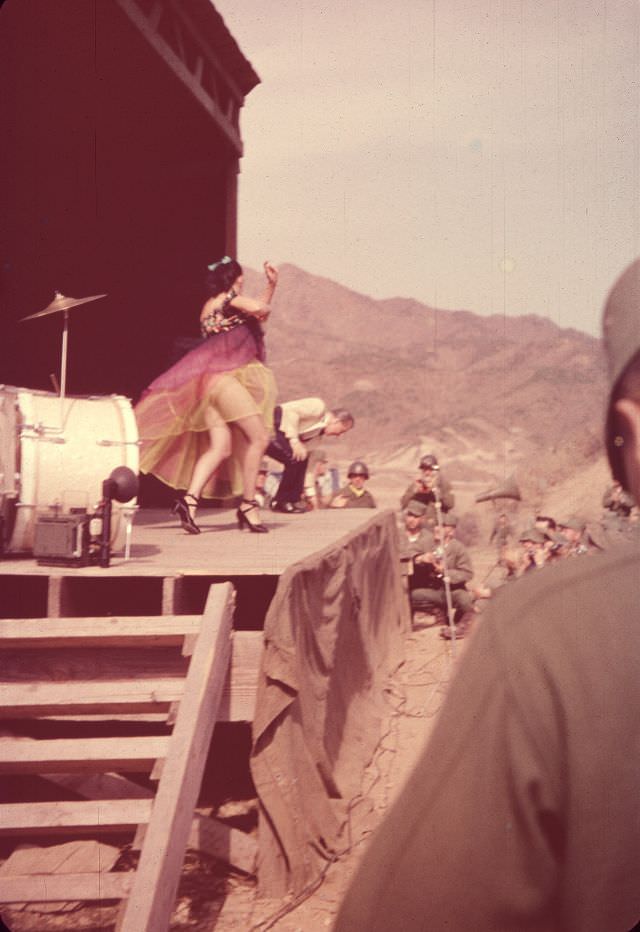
[62, 540]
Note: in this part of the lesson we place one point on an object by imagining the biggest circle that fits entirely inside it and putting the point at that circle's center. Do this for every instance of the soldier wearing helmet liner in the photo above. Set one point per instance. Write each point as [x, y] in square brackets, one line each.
[429, 484]
[573, 531]
[427, 583]
[354, 494]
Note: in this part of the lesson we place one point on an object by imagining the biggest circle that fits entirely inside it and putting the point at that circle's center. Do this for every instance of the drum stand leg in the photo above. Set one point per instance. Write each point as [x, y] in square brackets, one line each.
[127, 517]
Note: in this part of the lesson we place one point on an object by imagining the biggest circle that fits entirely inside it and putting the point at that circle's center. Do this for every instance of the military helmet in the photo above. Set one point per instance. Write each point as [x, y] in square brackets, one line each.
[358, 468]
[429, 461]
[532, 535]
[621, 333]
[573, 522]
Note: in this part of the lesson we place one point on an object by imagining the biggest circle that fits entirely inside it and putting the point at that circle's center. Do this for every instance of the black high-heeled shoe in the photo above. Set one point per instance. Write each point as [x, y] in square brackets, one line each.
[243, 517]
[181, 508]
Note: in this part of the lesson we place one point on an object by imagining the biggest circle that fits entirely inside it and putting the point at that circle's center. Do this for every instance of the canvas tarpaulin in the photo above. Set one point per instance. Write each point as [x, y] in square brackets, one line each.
[333, 634]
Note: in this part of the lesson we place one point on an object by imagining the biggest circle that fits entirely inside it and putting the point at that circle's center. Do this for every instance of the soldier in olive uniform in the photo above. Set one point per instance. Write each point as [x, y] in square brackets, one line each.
[618, 502]
[533, 555]
[573, 529]
[427, 584]
[415, 539]
[354, 494]
[427, 487]
[523, 809]
[501, 533]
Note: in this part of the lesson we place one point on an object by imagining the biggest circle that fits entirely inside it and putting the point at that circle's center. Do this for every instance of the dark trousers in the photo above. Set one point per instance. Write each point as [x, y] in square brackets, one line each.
[422, 600]
[292, 483]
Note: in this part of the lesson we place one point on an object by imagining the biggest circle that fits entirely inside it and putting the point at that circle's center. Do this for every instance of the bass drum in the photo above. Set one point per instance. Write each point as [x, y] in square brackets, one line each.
[55, 455]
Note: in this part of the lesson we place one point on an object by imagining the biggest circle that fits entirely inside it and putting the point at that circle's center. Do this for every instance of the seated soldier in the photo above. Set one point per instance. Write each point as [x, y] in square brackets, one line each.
[573, 529]
[315, 485]
[428, 486]
[263, 496]
[354, 495]
[535, 549]
[618, 502]
[415, 539]
[427, 584]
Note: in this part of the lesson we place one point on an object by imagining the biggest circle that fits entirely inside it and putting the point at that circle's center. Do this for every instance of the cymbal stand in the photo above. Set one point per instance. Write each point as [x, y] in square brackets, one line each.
[62, 303]
[63, 365]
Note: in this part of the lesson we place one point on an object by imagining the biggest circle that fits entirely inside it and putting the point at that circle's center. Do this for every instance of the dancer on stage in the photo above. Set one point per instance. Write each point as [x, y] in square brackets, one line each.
[185, 417]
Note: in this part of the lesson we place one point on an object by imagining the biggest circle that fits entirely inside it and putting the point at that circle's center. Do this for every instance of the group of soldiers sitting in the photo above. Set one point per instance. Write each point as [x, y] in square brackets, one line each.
[439, 567]
[549, 540]
[319, 490]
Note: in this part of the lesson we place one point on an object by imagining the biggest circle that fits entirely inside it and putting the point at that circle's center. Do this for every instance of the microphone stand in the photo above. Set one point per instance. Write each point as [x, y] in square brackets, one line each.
[445, 569]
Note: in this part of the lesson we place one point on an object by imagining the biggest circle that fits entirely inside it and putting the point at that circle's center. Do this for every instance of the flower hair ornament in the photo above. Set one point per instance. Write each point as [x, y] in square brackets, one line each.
[224, 261]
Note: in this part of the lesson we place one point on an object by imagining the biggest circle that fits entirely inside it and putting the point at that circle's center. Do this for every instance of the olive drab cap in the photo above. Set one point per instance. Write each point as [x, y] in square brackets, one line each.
[621, 334]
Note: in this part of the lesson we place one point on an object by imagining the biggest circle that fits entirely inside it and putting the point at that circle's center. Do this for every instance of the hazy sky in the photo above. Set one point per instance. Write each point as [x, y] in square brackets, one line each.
[477, 154]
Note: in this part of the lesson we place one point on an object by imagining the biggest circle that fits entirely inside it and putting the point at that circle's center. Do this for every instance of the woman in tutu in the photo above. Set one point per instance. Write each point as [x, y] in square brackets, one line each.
[185, 415]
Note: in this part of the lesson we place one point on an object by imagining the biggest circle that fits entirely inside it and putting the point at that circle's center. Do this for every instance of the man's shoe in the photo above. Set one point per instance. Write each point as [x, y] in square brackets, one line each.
[288, 508]
[428, 619]
[462, 628]
[421, 619]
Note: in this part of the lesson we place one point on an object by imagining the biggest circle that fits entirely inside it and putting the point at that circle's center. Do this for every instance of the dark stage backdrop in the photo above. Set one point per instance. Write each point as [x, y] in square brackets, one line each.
[113, 179]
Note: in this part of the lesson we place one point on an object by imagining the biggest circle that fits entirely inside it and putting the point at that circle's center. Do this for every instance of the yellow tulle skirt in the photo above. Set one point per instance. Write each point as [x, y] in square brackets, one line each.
[174, 431]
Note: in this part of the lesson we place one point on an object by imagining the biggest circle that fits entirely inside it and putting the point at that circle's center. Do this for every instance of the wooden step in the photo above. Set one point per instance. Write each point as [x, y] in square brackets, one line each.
[51, 888]
[155, 631]
[18, 700]
[58, 668]
[21, 696]
[88, 755]
[119, 815]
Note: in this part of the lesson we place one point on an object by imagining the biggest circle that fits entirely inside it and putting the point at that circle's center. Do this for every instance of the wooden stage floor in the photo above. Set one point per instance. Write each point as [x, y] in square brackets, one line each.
[170, 571]
[159, 546]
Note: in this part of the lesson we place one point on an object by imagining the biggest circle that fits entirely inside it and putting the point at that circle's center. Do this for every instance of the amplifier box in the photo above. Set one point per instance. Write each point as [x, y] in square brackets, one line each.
[62, 540]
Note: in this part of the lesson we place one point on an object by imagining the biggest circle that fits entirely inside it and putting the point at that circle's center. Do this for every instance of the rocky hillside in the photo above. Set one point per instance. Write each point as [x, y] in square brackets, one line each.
[488, 394]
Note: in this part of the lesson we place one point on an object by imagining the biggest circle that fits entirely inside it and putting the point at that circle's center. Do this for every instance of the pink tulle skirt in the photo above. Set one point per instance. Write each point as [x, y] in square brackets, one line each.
[224, 371]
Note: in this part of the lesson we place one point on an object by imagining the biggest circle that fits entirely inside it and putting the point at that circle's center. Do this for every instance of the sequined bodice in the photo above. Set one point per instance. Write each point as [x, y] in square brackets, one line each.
[219, 321]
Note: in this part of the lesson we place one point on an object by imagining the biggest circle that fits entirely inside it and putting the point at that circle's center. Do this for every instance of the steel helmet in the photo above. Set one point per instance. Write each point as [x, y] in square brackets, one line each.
[358, 468]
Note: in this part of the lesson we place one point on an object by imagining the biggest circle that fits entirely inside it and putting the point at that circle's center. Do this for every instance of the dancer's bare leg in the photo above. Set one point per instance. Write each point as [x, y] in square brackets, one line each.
[206, 464]
[256, 441]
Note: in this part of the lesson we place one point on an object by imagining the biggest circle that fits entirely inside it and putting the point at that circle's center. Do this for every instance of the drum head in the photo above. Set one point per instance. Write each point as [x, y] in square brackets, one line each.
[62, 452]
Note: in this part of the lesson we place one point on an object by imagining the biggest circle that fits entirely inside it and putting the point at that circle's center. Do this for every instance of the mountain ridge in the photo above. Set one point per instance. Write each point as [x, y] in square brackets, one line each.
[488, 394]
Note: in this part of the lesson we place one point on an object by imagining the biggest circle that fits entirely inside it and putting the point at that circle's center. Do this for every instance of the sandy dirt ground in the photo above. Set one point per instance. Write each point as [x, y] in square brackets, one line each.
[414, 697]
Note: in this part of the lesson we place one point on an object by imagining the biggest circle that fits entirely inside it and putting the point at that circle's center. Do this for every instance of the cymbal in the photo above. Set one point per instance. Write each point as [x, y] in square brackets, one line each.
[62, 303]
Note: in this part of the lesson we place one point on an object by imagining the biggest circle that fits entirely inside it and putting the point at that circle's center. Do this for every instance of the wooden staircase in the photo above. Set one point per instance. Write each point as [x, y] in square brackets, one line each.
[182, 671]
